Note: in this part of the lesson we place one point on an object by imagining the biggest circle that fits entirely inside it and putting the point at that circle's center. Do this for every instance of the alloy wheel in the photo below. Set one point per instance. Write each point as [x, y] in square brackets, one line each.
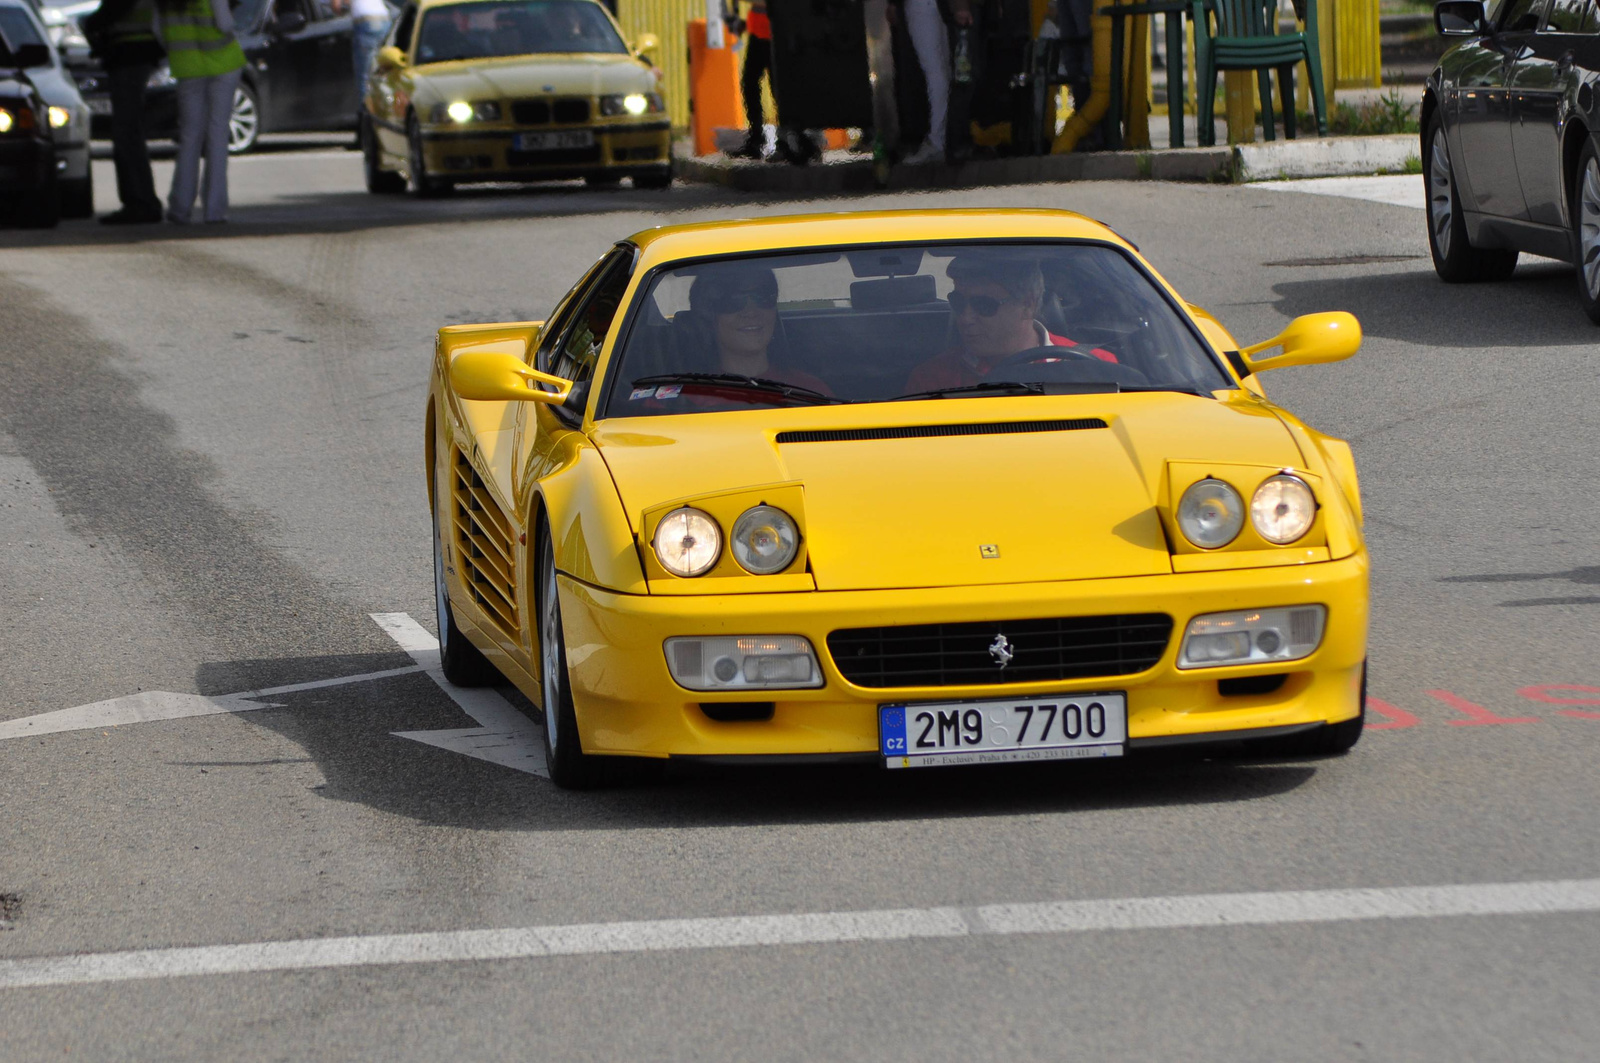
[1441, 191]
[550, 647]
[1589, 228]
[243, 121]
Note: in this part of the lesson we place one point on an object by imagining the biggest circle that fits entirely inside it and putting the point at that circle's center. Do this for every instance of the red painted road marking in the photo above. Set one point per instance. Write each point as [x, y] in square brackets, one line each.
[1398, 718]
[1477, 715]
[1542, 693]
[1578, 714]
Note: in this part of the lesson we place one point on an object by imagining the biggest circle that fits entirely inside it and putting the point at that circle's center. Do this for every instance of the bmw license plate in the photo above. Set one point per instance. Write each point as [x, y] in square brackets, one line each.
[98, 104]
[555, 141]
[938, 733]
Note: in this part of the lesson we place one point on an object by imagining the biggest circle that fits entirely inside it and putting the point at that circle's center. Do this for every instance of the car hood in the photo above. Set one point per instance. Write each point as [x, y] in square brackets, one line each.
[573, 75]
[1054, 503]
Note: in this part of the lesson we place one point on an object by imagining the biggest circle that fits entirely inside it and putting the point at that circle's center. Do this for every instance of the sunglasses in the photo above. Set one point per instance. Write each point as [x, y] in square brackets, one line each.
[734, 302]
[982, 305]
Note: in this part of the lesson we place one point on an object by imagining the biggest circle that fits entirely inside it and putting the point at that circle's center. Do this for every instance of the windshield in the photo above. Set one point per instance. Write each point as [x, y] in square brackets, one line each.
[890, 322]
[519, 27]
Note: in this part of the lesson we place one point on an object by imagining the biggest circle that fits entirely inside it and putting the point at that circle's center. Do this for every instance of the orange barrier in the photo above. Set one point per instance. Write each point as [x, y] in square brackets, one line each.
[714, 101]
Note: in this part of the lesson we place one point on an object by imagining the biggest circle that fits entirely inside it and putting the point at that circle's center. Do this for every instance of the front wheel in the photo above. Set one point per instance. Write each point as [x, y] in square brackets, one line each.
[77, 197]
[244, 121]
[422, 185]
[40, 208]
[653, 182]
[1586, 229]
[1454, 258]
[570, 767]
[380, 182]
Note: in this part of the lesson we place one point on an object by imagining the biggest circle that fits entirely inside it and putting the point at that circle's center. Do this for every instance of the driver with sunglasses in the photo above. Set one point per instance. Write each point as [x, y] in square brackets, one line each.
[993, 306]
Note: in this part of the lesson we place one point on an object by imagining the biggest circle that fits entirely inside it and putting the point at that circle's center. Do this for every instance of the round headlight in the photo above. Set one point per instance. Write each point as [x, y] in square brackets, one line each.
[1282, 509]
[765, 540]
[460, 111]
[59, 117]
[1211, 514]
[635, 103]
[687, 542]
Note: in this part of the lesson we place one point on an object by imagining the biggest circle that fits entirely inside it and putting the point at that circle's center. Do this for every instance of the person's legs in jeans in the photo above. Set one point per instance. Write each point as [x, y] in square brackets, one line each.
[191, 93]
[219, 111]
[136, 187]
[926, 27]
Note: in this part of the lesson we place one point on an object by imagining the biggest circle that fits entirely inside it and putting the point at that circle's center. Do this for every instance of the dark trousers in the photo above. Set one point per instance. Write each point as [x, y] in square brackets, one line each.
[136, 186]
[757, 61]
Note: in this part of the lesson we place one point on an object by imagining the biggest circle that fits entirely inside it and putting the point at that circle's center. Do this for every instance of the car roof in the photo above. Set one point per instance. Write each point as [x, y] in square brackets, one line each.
[672, 242]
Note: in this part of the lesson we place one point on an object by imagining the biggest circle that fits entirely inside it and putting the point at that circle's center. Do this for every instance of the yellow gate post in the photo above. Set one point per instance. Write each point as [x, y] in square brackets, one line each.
[1357, 55]
[1239, 87]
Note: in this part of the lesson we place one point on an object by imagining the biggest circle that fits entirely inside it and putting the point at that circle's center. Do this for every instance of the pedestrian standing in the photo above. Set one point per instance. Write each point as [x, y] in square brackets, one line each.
[369, 21]
[757, 61]
[925, 24]
[207, 62]
[123, 36]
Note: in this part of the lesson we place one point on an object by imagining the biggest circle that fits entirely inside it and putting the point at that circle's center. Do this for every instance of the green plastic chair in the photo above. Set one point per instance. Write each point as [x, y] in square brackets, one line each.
[1245, 37]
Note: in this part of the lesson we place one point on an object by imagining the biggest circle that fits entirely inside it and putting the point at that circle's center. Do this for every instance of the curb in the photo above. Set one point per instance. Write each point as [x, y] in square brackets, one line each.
[1327, 157]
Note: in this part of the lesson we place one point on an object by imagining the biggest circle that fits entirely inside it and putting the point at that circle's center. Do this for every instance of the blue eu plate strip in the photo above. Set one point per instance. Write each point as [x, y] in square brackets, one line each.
[892, 730]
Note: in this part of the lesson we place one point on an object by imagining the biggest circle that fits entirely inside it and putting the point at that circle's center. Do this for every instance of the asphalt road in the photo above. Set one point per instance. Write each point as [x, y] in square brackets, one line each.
[210, 479]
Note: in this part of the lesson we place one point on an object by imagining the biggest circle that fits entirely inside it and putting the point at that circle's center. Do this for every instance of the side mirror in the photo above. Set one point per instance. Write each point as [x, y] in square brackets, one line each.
[646, 44]
[287, 23]
[1460, 18]
[1310, 339]
[488, 376]
[27, 56]
[390, 58]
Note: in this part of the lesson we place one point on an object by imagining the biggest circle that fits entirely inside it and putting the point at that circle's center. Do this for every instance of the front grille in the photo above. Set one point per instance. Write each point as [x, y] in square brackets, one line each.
[943, 655]
[926, 431]
[572, 111]
[531, 112]
[483, 546]
[554, 157]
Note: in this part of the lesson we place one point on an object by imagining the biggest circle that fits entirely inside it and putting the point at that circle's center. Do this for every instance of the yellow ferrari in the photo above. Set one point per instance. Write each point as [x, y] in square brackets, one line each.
[918, 488]
[512, 90]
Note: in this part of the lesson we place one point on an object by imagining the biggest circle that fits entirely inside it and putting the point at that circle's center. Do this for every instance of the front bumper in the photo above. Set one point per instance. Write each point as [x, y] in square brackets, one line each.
[491, 154]
[627, 703]
[26, 164]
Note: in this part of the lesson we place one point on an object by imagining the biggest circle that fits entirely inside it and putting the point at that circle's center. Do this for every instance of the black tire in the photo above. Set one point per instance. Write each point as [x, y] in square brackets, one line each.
[655, 181]
[380, 182]
[41, 208]
[462, 662]
[1454, 258]
[1331, 740]
[244, 122]
[77, 197]
[570, 767]
[1586, 229]
[602, 180]
[422, 186]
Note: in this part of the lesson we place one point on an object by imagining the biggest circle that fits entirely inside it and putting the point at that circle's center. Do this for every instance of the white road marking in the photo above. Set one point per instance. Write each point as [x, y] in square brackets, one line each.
[503, 736]
[1000, 920]
[1400, 190]
[164, 705]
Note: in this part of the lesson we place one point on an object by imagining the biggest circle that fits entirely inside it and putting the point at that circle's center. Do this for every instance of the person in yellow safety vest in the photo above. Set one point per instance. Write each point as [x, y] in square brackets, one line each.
[122, 37]
[207, 61]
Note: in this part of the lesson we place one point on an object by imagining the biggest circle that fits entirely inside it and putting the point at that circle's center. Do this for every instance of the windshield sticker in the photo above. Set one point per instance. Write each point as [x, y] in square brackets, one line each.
[671, 392]
[641, 393]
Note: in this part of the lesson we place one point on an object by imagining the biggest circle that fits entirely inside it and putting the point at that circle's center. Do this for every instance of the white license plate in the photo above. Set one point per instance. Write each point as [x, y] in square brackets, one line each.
[939, 733]
[99, 106]
[555, 141]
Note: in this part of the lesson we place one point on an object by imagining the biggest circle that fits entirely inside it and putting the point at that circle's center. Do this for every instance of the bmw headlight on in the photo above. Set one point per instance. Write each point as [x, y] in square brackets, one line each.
[59, 117]
[1211, 514]
[632, 103]
[765, 540]
[1282, 509]
[461, 112]
[687, 542]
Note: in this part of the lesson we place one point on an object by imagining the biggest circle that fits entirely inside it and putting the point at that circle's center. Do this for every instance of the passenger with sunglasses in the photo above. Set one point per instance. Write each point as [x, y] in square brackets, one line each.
[731, 328]
[994, 307]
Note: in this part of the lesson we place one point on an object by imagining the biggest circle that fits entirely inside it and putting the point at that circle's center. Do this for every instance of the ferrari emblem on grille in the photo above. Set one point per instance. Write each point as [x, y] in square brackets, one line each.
[1000, 649]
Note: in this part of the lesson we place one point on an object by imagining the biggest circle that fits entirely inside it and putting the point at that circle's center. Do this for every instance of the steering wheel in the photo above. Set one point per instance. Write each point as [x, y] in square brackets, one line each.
[1043, 355]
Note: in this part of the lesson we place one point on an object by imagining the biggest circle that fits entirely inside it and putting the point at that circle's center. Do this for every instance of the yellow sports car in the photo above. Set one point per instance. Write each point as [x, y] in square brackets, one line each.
[920, 488]
[512, 90]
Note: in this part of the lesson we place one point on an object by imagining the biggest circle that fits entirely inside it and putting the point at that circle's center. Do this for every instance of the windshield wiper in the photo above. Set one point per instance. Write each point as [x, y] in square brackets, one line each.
[1043, 387]
[739, 380]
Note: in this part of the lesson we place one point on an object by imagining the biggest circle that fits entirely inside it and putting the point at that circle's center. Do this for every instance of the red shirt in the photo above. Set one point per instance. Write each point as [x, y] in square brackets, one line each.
[759, 25]
[953, 369]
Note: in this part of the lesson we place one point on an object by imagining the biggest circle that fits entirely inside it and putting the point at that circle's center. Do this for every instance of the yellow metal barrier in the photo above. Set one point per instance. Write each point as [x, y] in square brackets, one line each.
[668, 20]
[1357, 58]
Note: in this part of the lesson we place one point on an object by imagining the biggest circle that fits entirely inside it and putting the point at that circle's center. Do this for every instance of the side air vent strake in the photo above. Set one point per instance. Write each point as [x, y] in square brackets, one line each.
[483, 543]
[926, 431]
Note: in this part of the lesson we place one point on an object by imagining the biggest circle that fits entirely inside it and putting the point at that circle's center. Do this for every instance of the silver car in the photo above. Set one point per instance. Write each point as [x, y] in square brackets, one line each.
[21, 26]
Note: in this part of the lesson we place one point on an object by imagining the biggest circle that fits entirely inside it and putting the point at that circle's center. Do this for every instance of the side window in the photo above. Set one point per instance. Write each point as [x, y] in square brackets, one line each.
[401, 38]
[580, 347]
[555, 326]
[1517, 16]
[1572, 16]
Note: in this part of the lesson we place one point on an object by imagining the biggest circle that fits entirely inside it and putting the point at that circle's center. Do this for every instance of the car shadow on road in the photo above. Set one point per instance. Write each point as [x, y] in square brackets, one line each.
[1536, 307]
[349, 732]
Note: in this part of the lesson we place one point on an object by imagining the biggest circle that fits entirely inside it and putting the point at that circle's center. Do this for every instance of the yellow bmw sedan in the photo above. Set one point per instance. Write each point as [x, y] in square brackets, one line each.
[921, 489]
[512, 90]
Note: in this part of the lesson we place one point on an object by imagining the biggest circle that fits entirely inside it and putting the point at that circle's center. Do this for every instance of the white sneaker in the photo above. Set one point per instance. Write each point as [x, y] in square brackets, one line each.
[924, 155]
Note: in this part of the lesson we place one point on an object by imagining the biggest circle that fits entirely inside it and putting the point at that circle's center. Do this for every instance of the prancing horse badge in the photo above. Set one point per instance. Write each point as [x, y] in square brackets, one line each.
[1000, 649]
[989, 551]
